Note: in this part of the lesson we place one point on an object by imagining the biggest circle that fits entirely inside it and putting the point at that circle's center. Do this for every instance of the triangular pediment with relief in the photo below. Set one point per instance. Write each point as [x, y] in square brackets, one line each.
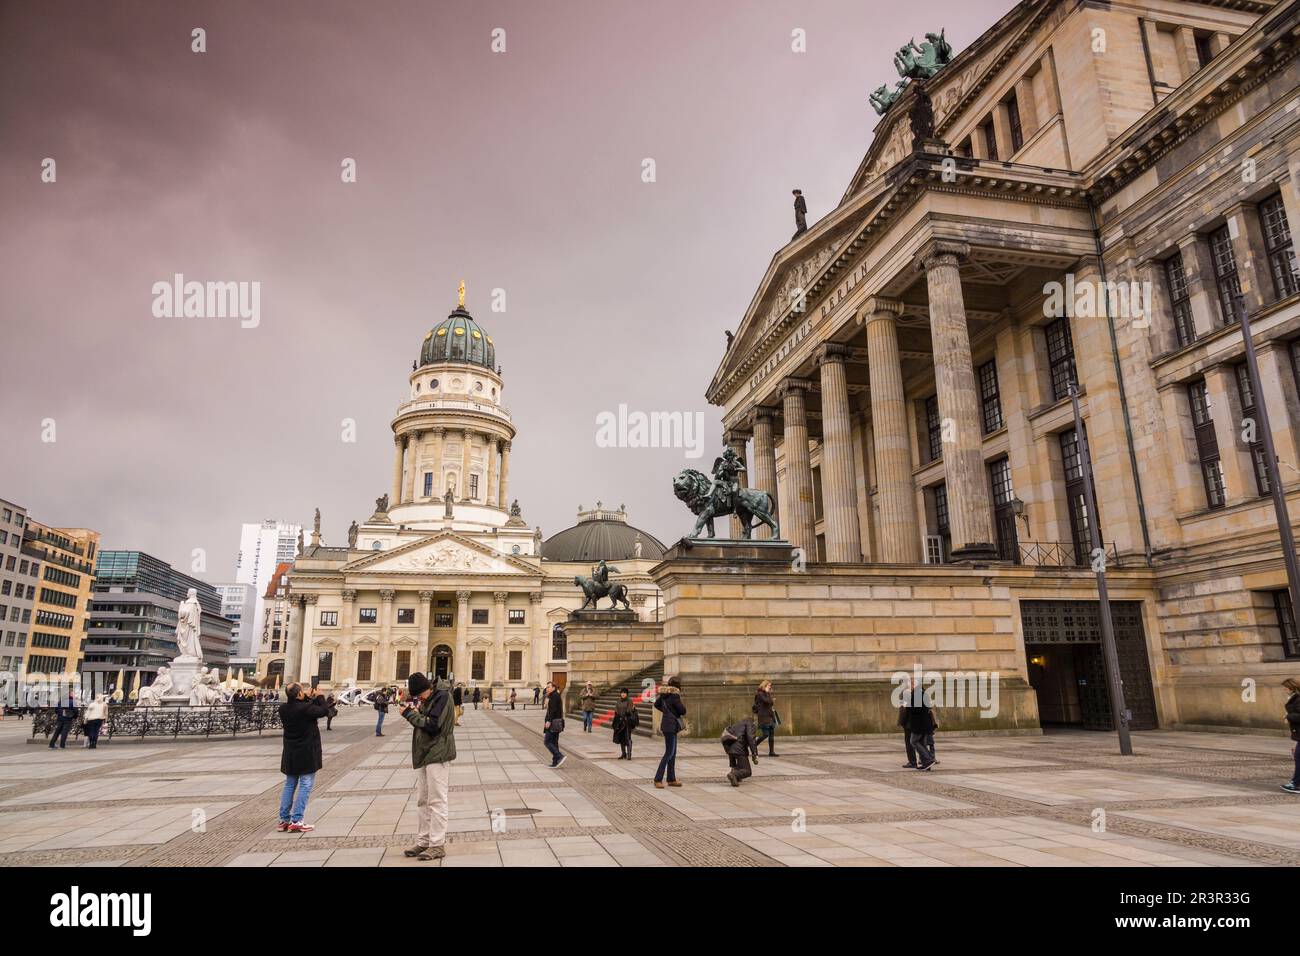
[446, 553]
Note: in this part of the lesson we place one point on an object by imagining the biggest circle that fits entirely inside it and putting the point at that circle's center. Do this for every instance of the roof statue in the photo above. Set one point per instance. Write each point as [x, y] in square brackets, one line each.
[913, 63]
[352, 535]
[381, 504]
[460, 295]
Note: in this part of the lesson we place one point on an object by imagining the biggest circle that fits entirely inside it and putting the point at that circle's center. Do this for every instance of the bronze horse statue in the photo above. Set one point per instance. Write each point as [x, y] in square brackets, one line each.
[693, 488]
[593, 590]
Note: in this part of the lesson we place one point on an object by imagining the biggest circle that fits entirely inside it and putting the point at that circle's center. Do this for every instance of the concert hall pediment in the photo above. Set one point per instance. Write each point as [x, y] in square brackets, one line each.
[445, 553]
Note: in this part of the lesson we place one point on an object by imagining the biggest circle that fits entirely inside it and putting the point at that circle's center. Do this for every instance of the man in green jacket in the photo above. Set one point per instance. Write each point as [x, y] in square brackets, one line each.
[432, 716]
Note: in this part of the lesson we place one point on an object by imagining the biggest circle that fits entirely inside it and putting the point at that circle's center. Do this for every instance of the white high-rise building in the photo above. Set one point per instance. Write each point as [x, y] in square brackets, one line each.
[238, 603]
[261, 548]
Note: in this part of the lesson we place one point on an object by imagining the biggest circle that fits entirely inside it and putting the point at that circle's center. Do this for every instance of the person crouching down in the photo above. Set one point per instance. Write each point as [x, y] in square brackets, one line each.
[740, 742]
[432, 716]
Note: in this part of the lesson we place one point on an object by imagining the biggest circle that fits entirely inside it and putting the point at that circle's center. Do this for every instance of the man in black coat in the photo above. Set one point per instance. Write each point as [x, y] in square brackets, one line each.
[301, 757]
[740, 742]
[919, 723]
[553, 724]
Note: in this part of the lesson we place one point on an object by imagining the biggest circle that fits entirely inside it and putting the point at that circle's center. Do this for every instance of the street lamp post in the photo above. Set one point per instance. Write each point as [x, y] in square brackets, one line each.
[1270, 455]
[1118, 709]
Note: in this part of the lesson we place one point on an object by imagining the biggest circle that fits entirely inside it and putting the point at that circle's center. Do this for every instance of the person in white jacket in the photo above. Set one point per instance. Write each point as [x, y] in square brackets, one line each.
[96, 714]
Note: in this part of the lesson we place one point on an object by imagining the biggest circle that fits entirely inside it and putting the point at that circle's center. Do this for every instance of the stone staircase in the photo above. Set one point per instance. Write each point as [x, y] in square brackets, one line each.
[607, 697]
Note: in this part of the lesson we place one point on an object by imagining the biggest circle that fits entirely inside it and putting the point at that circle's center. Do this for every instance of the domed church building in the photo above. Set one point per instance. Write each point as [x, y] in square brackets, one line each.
[445, 576]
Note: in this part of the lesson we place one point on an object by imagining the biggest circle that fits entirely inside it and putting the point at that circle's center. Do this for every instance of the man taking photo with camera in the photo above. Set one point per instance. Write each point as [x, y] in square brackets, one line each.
[432, 716]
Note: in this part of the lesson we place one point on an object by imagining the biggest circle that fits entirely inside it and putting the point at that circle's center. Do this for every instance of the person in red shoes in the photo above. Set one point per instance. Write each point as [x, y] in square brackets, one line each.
[301, 757]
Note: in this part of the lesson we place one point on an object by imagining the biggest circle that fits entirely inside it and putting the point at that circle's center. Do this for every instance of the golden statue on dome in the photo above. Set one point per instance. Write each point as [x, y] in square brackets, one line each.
[460, 295]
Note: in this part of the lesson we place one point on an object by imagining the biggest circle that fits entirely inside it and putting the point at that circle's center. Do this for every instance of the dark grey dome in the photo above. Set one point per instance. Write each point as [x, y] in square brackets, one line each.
[601, 534]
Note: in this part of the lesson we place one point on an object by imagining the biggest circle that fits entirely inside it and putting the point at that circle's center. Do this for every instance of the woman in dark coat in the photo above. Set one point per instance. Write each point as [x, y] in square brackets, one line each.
[765, 717]
[478, 695]
[1293, 721]
[669, 704]
[301, 757]
[624, 722]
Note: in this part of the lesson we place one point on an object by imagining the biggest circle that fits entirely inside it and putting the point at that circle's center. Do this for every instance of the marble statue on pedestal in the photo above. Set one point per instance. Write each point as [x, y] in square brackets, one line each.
[205, 689]
[188, 617]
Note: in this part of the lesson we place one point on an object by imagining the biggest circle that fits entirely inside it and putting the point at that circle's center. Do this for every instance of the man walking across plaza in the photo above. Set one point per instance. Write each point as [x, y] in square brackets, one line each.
[919, 724]
[458, 701]
[553, 724]
[301, 757]
[431, 712]
[65, 715]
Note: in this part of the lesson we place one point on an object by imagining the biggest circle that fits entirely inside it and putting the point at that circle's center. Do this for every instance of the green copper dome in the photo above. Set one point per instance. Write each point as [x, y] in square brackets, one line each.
[458, 338]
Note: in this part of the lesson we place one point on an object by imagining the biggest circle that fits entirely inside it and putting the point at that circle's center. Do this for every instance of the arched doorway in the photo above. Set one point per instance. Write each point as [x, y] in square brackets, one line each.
[441, 666]
[275, 669]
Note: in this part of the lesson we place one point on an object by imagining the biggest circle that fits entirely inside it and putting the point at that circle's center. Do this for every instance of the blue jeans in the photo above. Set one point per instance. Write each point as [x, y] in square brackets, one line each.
[587, 716]
[669, 760]
[303, 784]
[379, 724]
[552, 740]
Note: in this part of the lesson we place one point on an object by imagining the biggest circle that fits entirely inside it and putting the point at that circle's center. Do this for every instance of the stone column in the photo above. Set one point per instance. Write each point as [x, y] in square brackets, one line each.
[397, 470]
[898, 533]
[466, 437]
[463, 665]
[1248, 250]
[970, 515]
[438, 488]
[307, 663]
[541, 636]
[735, 440]
[347, 614]
[503, 501]
[800, 522]
[499, 669]
[293, 644]
[423, 615]
[412, 464]
[1277, 384]
[839, 481]
[384, 656]
[490, 492]
[764, 478]
[1198, 270]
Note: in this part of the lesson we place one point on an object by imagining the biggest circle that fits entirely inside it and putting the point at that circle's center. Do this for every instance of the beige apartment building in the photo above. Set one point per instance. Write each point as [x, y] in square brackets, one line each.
[62, 602]
[1099, 180]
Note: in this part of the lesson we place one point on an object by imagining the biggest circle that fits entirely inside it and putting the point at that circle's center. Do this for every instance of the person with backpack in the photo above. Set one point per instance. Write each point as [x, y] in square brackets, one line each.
[739, 742]
[431, 712]
[1293, 721]
[381, 705]
[624, 723]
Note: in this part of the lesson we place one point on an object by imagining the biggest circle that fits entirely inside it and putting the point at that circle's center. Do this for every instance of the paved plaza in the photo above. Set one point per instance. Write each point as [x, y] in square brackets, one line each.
[1183, 799]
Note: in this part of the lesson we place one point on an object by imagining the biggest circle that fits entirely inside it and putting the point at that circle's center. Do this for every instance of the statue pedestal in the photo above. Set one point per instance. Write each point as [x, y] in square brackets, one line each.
[604, 616]
[183, 672]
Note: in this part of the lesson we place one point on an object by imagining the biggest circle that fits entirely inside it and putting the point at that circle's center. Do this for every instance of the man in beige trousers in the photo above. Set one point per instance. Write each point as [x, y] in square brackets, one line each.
[432, 716]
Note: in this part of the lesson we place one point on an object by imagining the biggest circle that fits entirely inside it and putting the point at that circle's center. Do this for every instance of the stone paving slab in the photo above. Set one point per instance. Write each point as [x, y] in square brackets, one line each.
[1060, 787]
[783, 798]
[948, 761]
[165, 785]
[1278, 824]
[60, 829]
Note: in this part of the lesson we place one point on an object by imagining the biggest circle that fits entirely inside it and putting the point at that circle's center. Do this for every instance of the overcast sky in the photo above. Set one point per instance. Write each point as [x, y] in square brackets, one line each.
[519, 170]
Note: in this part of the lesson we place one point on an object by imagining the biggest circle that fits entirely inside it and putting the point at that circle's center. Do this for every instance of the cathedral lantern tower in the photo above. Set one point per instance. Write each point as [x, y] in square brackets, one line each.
[452, 434]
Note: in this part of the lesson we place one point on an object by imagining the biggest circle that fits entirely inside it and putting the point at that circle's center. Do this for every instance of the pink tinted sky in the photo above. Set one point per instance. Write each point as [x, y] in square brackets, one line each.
[519, 170]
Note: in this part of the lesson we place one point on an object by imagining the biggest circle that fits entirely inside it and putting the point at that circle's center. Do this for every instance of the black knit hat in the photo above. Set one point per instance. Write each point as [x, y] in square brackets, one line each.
[675, 681]
[417, 684]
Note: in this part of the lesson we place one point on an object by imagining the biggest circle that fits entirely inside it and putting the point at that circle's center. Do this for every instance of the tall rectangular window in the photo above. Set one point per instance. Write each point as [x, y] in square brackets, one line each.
[1180, 299]
[939, 497]
[428, 484]
[1060, 356]
[990, 399]
[1207, 445]
[1258, 457]
[1279, 248]
[473, 486]
[364, 659]
[478, 665]
[1225, 273]
[1076, 496]
[325, 665]
[1286, 623]
[1013, 120]
[403, 665]
[516, 665]
[990, 139]
[934, 427]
